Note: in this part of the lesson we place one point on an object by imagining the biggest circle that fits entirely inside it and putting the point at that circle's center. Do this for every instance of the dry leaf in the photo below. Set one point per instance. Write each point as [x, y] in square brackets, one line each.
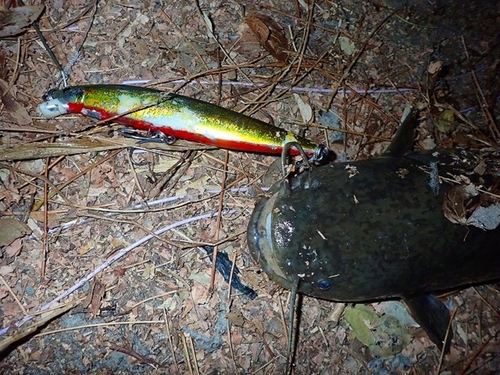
[88, 246]
[18, 113]
[11, 309]
[460, 207]
[54, 217]
[480, 169]
[14, 248]
[247, 45]
[98, 291]
[6, 270]
[3, 293]
[427, 144]
[269, 34]
[198, 185]
[148, 273]
[486, 218]
[12, 229]
[16, 20]
[119, 271]
[435, 67]
[304, 108]
[236, 318]
[456, 204]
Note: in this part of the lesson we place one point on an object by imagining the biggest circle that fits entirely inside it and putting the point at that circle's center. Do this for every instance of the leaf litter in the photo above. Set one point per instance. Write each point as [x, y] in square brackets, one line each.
[153, 311]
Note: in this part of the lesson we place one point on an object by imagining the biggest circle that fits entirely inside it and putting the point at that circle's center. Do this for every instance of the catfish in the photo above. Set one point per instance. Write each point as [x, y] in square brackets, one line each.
[405, 225]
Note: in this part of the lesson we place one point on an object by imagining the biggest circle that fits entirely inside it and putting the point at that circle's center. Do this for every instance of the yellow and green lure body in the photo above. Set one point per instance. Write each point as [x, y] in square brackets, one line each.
[175, 116]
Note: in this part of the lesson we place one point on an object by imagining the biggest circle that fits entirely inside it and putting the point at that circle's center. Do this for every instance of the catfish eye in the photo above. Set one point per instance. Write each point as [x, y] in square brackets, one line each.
[324, 284]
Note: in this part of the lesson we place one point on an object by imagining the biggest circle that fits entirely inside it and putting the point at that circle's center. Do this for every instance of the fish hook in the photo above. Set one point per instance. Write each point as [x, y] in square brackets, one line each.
[285, 154]
[157, 137]
[322, 155]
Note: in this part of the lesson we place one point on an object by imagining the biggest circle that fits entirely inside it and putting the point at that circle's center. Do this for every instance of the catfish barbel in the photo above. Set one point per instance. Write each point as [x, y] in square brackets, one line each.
[175, 116]
[400, 226]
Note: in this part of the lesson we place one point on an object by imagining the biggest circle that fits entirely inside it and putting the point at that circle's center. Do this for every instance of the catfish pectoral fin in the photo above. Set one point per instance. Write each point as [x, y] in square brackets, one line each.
[404, 137]
[433, 316]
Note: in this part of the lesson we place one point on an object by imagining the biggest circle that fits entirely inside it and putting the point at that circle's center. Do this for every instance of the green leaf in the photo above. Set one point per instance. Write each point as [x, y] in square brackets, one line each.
[362, 320]
[446, 122]
[347, 46]
[384, 336]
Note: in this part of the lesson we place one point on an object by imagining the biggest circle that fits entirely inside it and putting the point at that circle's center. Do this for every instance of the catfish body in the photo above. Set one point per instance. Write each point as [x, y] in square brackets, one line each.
[371, 230]
[403, 225]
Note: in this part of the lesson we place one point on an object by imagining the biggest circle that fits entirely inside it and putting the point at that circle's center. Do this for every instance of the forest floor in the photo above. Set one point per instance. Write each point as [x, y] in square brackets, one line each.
[307, 66]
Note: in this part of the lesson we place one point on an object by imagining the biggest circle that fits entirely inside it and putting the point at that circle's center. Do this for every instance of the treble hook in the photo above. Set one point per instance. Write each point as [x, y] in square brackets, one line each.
[157, 137]
[285, 154]
[322, 155]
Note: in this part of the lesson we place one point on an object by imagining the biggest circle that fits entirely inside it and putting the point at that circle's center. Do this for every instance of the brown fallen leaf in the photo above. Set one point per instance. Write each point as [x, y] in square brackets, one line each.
[6, 270]
[270, 35]
[457, 203]
[464, 205]
[16, 20]
[14, 248]
[12, 229]
[236, 318]
[435, 67]
[97, 295]
[53, 218]
[11, 106]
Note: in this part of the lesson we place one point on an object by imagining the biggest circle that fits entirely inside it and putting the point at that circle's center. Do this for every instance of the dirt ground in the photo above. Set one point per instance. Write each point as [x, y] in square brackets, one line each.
[306, 66]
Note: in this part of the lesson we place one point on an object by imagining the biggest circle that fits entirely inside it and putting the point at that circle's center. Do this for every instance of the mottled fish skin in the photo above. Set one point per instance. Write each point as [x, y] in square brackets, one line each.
[376, 229]
[370, 230]
[173, 115]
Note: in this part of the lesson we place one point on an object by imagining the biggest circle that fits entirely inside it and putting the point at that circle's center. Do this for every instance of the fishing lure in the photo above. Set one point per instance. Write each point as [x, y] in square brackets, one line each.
[175, 117]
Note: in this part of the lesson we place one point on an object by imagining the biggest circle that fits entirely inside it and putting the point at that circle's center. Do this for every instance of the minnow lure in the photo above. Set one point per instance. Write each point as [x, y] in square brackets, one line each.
[175, 116]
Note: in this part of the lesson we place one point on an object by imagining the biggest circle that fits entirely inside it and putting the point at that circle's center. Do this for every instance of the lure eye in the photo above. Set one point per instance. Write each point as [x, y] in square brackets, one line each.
[324, 284]
[49, 95]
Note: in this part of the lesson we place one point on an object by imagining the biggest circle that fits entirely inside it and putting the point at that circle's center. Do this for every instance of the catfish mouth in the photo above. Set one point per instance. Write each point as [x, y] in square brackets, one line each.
[261, 241]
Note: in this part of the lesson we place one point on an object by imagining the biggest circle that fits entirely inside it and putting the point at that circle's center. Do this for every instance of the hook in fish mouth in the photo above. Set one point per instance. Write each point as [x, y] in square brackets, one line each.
[322, 155]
